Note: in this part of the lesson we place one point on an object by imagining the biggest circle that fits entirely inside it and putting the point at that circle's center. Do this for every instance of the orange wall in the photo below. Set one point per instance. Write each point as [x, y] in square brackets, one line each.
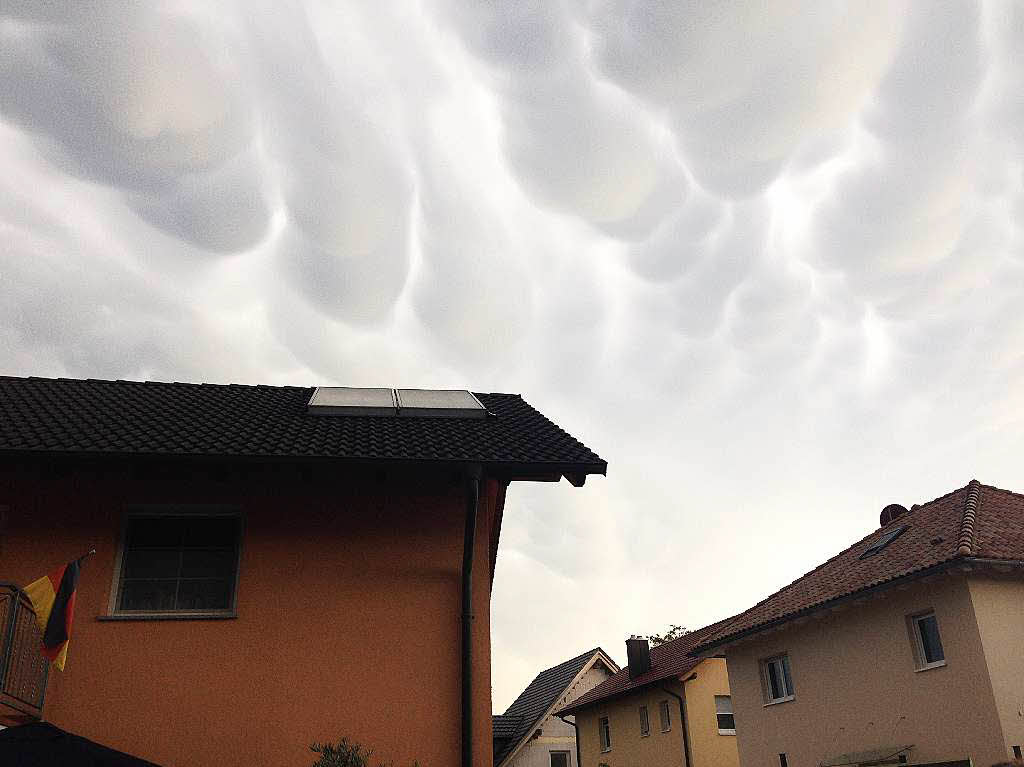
[349, 603]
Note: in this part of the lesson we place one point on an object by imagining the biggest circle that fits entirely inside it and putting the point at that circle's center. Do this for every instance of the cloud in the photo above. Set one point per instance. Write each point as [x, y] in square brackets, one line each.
[767, 264]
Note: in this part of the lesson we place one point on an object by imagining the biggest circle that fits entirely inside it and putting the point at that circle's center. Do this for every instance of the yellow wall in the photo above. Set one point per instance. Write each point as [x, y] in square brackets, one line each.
[857, 688]
[662, 749]
[999, 607]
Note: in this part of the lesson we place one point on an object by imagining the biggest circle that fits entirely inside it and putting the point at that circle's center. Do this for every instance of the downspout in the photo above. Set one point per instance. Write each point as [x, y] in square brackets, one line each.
[682, 717]
[579, 763]
[468, 548]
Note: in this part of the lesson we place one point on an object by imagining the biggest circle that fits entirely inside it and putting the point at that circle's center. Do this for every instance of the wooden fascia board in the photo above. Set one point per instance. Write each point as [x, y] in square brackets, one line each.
[554, 706]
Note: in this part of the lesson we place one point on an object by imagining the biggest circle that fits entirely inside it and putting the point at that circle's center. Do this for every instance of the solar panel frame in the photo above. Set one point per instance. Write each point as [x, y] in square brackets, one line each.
[349, 400]
[439, 403]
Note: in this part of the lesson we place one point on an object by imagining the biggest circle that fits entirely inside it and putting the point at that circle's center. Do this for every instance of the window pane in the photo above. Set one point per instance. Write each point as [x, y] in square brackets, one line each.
[928, 628]
[645, 724]
[666, 717]
[785, 675]
[726, 722]
[211, 532]
[774, 680]
[152, 532]
[605, 733]
[559, 759]
[185, 562]
[723, 704]
[148, 595]
[205, 594]
[199, 563]
[151, 563]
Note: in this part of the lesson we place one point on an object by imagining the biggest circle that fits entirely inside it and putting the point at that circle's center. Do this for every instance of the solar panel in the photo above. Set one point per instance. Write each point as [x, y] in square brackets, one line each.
[424, 403]
[439, 403]
[882, 542]
[345, 400]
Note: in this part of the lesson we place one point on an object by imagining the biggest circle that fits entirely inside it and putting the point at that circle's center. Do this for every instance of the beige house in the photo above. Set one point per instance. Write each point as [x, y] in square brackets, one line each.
[665, 709]
[529, 734]
[907, 648]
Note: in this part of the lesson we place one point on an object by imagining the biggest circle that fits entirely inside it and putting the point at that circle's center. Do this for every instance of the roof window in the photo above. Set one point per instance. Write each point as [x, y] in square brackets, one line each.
[424, 403]
[884, 541]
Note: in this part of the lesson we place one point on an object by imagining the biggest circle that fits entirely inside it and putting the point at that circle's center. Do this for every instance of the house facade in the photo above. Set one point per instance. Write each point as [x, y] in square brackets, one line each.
[670, 710]
[269, 574]
[529, 734]
[903, 649]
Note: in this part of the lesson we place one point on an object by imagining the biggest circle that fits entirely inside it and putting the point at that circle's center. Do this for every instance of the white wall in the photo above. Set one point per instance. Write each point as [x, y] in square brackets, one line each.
[556, 735]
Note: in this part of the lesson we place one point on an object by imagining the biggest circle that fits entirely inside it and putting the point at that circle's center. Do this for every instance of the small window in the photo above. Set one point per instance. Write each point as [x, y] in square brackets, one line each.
[1016, 752]
[776, 679]
[884, 541]
[605, 733]
[665, 713]
[645, 722]
[927, 642]
[723, 709]
[559, 759]
[783, 762]
[179, 564]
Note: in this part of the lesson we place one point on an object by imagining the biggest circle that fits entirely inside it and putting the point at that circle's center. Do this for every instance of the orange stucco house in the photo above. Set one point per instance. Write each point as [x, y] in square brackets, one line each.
[275, 565]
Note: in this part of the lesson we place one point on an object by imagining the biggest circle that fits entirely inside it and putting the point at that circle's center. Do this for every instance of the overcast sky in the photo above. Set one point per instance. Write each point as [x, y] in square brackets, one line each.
[769, 265]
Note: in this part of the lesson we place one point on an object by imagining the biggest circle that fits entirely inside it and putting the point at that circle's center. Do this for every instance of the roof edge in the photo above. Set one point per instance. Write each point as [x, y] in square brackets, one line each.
[701, 649]
[573, 709]
[551, 710]
[965, 541]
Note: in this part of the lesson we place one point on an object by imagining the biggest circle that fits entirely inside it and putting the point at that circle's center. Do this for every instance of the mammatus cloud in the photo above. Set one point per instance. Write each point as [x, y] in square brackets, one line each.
[768, 265]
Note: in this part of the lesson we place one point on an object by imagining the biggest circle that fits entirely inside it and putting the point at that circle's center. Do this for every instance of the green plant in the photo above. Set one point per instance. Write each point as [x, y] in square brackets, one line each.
[345, 754]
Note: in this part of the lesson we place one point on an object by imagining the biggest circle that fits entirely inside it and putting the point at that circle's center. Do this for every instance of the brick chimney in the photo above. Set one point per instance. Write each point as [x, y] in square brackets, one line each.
[638, 656]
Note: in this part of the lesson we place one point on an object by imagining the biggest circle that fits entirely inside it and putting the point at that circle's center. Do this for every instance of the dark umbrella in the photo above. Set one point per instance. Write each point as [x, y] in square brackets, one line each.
[40, 744]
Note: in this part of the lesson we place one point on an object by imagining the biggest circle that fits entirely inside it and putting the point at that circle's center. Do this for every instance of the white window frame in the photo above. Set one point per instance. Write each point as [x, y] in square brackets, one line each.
[719, 700]
[665, 716]
[914, 626]
[645, 722]
[604, 734]
[782, 659]
[568, 757]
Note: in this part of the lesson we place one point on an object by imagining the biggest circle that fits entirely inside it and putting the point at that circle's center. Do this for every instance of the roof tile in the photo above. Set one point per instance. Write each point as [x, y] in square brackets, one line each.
[130, 417]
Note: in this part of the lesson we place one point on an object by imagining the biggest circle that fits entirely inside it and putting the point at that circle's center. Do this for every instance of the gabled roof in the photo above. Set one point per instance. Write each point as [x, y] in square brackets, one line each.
[973, 522]
[70, 416]
[534, 703]
[668, 661]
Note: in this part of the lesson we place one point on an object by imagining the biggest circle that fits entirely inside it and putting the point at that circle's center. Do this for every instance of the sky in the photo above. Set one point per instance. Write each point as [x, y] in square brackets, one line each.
[767, 262]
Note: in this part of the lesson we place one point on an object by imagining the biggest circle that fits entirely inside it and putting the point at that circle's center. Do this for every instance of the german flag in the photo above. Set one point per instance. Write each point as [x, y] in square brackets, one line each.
[53, 597]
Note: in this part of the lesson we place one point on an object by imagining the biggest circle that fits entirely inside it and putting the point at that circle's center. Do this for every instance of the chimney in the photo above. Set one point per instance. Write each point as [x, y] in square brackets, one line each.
[638, 656]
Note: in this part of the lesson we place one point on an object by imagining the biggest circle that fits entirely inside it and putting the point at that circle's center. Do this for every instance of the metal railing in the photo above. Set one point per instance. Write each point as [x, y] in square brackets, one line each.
[23, 669]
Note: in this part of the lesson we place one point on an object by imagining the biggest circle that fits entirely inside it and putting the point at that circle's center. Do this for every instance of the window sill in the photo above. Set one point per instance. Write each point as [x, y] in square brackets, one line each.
[787, 699]
[930, 666]
[606, 750]
[668, 730]
[727, 732]
[168, 617]
[645, 734]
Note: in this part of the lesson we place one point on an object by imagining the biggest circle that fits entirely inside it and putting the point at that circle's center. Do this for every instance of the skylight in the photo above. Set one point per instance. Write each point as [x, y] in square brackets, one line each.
[884, 541]
[423, 403]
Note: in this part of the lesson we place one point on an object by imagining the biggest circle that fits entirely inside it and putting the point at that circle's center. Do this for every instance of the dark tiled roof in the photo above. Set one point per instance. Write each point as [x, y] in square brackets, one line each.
[533, 702]
[127, 417]
[668, 661]
[974, 521]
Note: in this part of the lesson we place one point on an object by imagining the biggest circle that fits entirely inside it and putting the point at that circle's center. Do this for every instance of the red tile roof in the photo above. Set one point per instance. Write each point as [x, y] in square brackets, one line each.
[668, 661]
[974, 521]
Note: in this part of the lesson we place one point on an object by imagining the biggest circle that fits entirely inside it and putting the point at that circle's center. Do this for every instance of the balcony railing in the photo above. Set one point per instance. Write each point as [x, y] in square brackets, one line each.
[23, 669]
